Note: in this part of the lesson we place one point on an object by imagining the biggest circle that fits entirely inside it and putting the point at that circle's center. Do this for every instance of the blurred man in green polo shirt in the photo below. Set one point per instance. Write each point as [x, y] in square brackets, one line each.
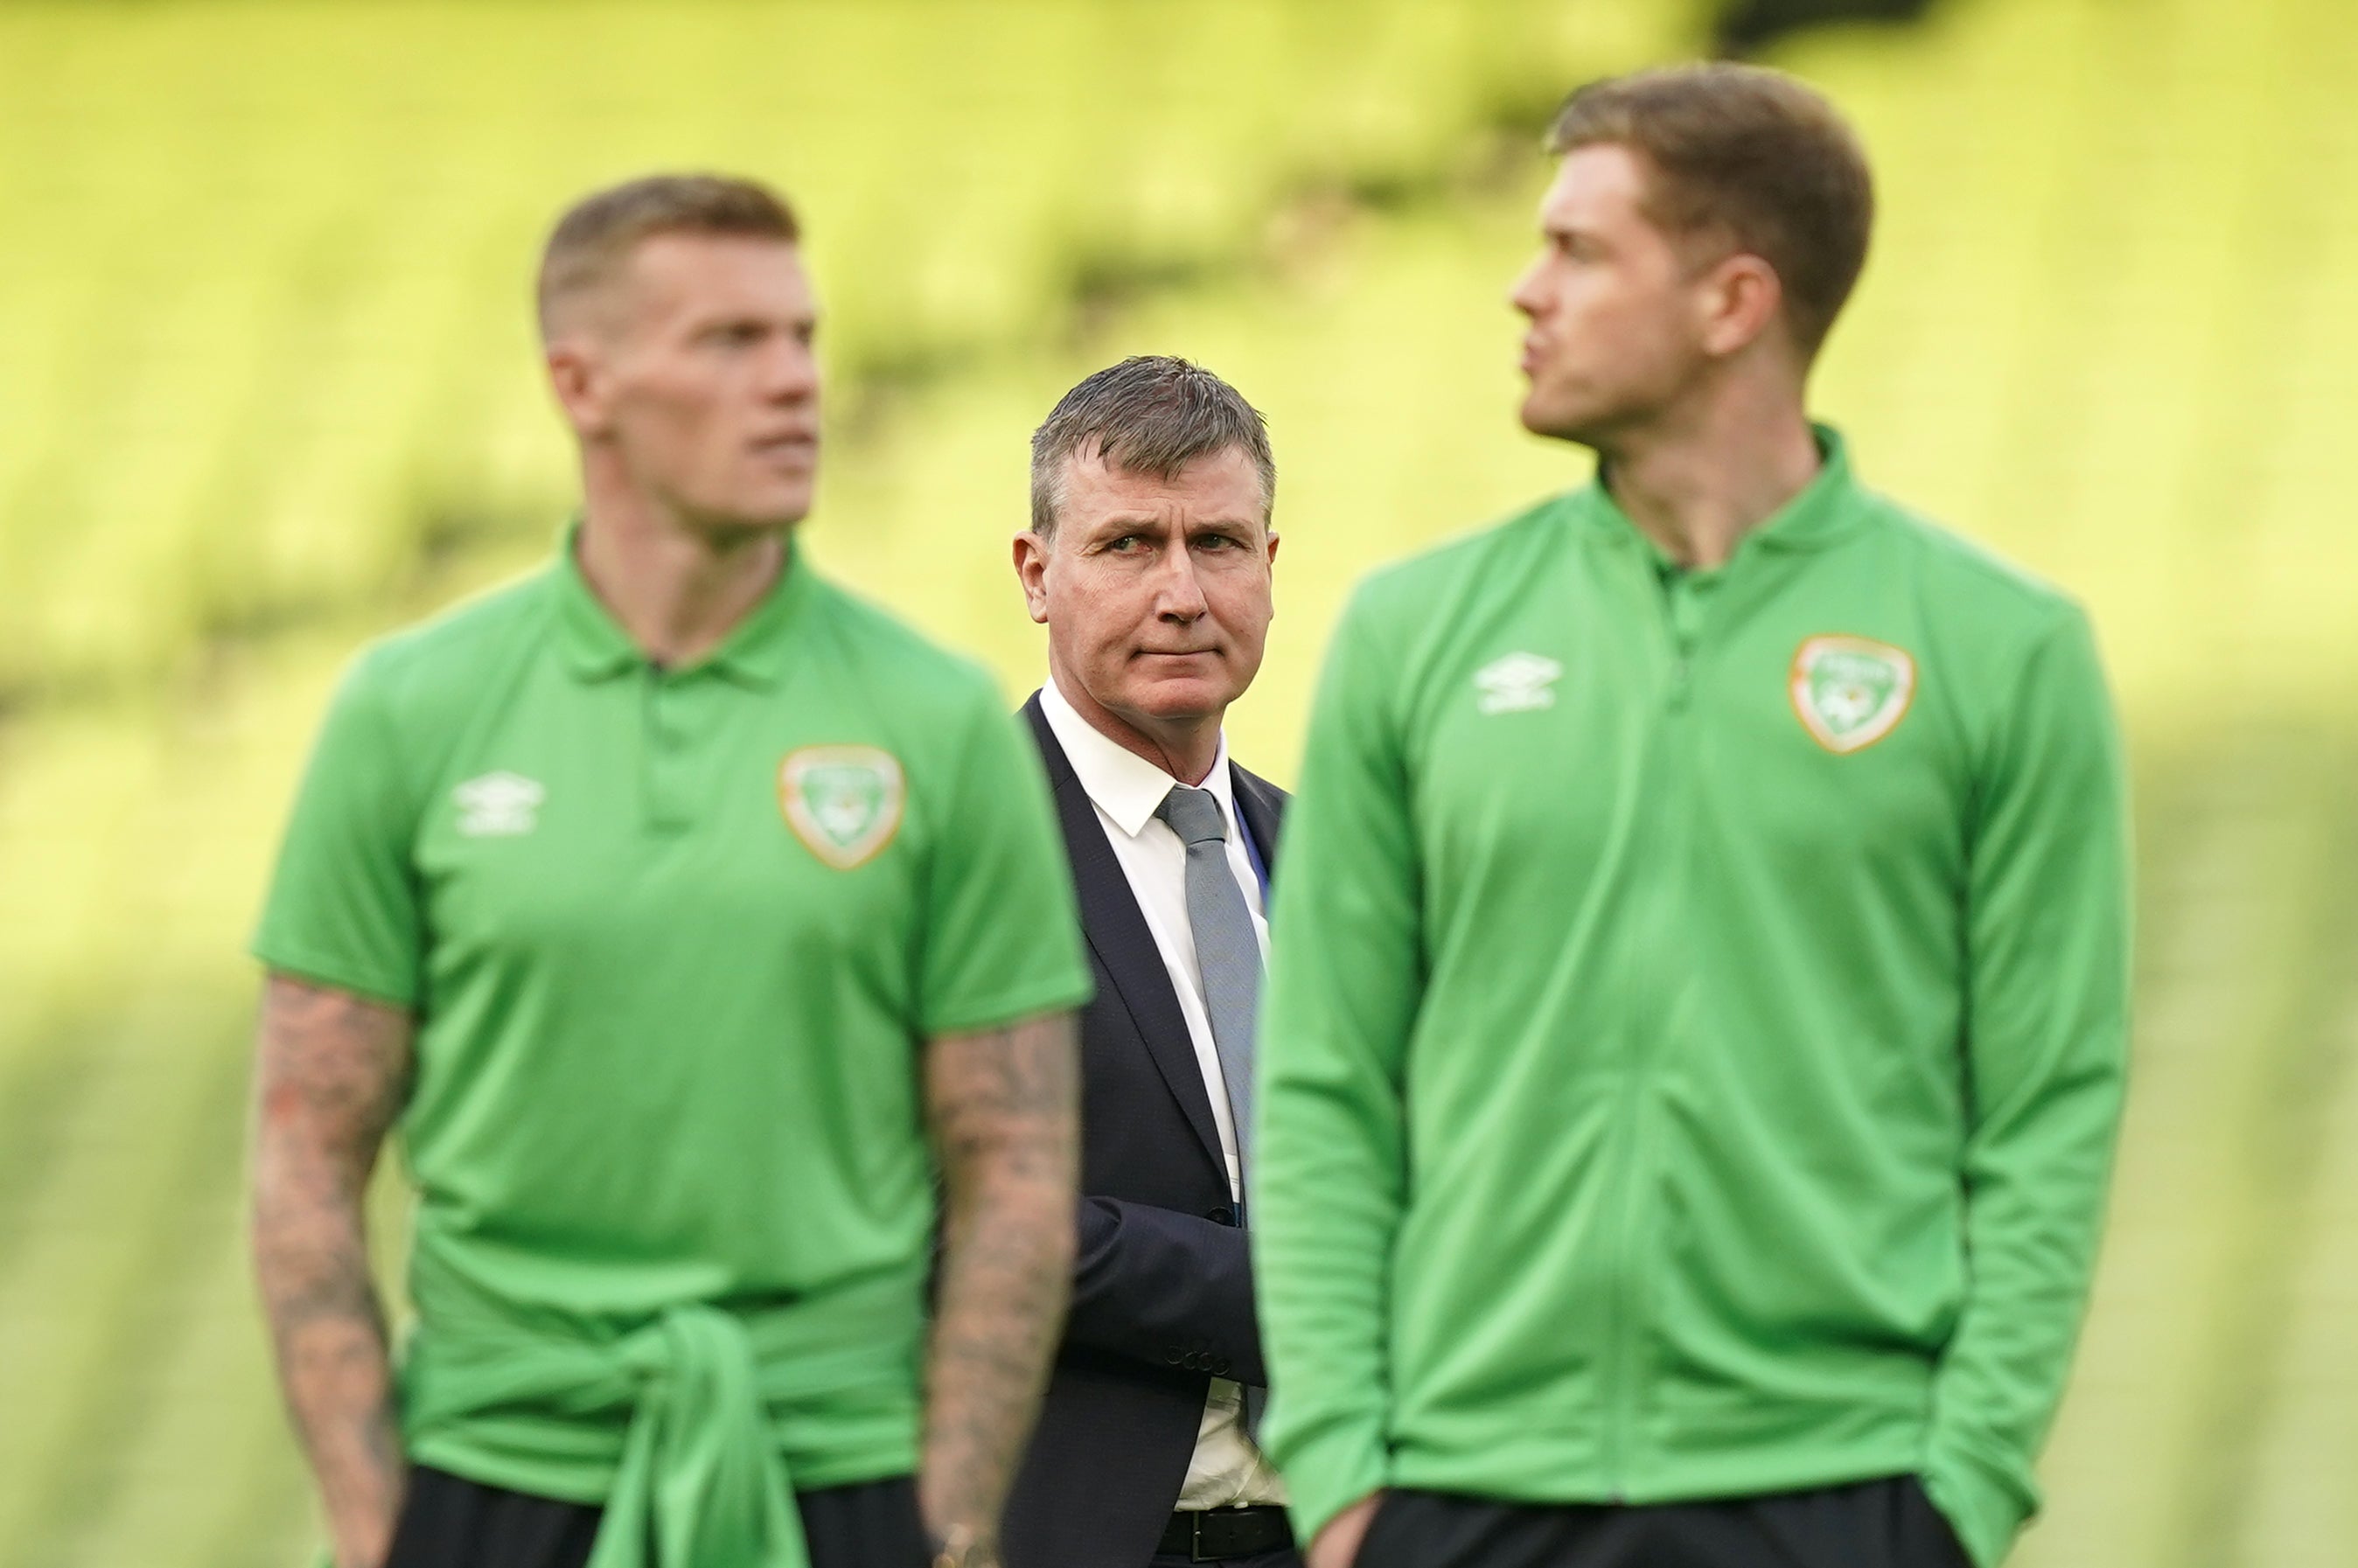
[1696, 1023]
[666, 901]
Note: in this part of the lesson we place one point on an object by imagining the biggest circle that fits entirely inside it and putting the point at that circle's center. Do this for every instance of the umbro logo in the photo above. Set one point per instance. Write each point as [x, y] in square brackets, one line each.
[499, 806]
[1519, 683]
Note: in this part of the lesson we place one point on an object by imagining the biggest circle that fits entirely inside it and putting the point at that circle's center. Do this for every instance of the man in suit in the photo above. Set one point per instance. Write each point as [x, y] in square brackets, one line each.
[1148, 559]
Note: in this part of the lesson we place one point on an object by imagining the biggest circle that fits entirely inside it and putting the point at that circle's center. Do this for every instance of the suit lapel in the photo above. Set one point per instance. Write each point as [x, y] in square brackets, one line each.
[1116, 933]
[1262, 805]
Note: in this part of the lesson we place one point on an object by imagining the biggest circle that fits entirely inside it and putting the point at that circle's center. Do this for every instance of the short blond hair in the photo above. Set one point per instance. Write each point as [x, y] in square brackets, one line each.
[599, 232]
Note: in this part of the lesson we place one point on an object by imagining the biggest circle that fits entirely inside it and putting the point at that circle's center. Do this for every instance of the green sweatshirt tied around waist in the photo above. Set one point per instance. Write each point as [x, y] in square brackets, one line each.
[681, 1425]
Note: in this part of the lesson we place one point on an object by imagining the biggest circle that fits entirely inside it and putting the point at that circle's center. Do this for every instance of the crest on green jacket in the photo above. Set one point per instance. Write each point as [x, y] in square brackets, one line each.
[843, 802]
[1851, 692]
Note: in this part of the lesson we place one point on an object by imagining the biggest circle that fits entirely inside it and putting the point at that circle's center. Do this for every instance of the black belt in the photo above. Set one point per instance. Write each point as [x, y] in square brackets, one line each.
[1212, 1534]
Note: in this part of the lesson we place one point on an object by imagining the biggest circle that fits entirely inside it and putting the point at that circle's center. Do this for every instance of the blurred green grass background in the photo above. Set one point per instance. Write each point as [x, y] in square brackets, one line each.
[266, 387]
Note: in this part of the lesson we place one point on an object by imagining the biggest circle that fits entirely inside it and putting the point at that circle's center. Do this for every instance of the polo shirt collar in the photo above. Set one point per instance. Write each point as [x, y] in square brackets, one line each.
[1826, 509]
[754, 653]
[1123, 785]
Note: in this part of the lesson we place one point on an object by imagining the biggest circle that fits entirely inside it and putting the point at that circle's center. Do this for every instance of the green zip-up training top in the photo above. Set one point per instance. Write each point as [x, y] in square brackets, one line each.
[1697, 1020]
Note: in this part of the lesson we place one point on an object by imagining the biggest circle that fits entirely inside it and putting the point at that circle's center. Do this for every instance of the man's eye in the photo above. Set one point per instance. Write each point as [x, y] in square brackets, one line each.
[1128, 544]
[1214, 542]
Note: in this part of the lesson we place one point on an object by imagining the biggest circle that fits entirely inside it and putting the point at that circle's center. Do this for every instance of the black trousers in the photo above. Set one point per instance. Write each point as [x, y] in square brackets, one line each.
[1888, 1523]
[448, 1522]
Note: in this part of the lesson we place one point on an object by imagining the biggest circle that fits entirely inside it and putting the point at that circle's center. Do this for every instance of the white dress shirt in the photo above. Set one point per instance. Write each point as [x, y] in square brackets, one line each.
[1228, 1469]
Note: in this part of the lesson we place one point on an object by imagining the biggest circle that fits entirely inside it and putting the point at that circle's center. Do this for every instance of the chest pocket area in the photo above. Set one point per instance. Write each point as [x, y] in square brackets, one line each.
[1831, 778]
[1531, 786]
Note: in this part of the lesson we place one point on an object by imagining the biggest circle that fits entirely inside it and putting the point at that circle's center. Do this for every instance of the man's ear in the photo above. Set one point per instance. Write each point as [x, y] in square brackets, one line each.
[1031, 571]
[1744, 300]
[574, 374]
[1272, 549]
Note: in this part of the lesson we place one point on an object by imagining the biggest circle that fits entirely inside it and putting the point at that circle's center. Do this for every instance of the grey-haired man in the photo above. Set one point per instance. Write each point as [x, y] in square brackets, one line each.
[1148, 559]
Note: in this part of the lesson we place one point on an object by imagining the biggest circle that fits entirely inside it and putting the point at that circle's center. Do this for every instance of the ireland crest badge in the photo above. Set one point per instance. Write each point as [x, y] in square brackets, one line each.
[1850, 692]
[843, 802]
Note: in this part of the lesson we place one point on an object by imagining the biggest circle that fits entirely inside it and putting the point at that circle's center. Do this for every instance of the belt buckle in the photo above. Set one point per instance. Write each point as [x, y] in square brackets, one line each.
[1195, 1538]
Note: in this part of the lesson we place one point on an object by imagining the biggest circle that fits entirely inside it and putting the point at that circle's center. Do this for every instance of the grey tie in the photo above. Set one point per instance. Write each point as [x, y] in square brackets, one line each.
[1228, 954]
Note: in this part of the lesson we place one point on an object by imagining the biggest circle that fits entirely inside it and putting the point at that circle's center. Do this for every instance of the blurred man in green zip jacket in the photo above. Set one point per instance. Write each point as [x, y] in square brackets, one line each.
[1698, 998]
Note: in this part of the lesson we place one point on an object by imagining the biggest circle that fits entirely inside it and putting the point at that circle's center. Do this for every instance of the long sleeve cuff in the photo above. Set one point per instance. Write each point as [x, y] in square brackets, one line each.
[1328, 1468]
[1986, 1499]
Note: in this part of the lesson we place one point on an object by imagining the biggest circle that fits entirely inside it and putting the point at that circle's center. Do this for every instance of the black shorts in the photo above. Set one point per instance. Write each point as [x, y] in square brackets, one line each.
[449, 1522]
[1888, 1523]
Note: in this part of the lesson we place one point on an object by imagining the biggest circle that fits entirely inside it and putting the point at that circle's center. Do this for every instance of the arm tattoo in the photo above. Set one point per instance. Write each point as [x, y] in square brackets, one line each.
[331, 1072]
[1003, 1107]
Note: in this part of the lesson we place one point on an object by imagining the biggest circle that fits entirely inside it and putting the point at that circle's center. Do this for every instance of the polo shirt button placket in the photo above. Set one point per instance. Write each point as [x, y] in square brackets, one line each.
[1686, 594]
[664, 741]
[1681, 652]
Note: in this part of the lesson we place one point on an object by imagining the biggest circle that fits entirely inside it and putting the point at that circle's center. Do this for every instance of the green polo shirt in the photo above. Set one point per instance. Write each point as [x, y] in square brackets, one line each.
[672, 939]
[1697, 1026]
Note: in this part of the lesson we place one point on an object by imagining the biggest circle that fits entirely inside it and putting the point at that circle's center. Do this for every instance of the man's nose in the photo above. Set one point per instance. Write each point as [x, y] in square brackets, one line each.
[1179, 594]
[1525, 296]
[790, 373]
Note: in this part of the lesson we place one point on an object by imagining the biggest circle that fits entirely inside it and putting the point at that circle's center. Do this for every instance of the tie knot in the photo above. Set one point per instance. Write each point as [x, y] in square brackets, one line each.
[1194, 815]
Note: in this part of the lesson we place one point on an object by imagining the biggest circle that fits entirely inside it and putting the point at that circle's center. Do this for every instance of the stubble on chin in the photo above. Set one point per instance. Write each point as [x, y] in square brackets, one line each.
[1535, 418]
[1555, 421]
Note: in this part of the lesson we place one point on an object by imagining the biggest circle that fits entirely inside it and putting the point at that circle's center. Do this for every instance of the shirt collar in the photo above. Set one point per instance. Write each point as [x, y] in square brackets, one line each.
[1123, 785]
[754, 653]
[1824, 511]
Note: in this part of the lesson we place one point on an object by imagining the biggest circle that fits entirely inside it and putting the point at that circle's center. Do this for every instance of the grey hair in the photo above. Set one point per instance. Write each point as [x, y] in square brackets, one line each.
[1152, 413]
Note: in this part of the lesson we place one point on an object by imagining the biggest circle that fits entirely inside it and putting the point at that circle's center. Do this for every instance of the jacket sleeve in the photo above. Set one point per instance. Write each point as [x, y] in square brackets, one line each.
[2047, 933]
[1346, 974]
[1169, 1289]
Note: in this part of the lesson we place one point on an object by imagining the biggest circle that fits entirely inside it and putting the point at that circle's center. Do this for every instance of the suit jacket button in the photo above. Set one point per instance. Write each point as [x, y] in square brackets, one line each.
[1223, 1215]
[1177, 1356]
[1221, 1367]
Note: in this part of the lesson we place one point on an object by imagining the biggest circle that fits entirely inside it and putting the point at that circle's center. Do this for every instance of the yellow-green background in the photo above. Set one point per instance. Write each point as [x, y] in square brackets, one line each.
[267, 388]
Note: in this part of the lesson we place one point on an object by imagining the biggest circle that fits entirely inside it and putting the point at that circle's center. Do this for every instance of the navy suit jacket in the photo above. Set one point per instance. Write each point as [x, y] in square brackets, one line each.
[1162, 1294]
